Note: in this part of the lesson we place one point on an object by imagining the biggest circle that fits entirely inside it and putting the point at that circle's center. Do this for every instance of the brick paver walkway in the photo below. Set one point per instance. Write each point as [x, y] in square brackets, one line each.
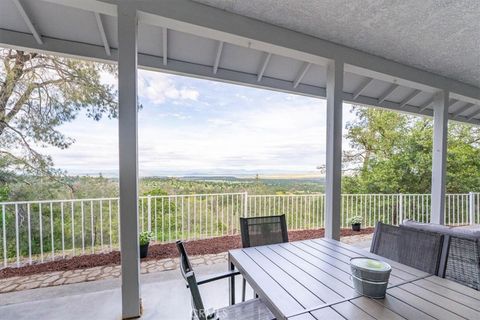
[111, 272]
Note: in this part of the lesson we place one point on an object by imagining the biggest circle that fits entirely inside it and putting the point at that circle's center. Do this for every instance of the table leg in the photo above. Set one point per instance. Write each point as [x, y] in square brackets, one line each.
[232, 283]
[243, 289]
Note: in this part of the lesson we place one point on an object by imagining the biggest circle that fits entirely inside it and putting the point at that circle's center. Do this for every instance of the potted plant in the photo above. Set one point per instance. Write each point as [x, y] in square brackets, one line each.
[356, 222]
[144, 240]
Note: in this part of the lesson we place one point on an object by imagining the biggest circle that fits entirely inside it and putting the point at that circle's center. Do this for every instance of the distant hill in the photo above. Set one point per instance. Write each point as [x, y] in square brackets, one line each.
[282, 178]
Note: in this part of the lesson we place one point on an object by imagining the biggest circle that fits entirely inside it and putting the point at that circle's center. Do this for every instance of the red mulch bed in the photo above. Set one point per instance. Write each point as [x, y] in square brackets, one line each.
[157, 252]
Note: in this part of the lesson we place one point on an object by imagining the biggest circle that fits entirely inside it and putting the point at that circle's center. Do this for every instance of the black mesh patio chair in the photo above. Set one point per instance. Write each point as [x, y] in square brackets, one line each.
[385, 241]
[420, 249]
[416, 248]
[251, 310]
[461, 261]
[260, 231]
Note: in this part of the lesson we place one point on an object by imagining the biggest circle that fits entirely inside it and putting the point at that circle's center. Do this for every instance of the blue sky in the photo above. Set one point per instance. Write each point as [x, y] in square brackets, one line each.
[193, 126]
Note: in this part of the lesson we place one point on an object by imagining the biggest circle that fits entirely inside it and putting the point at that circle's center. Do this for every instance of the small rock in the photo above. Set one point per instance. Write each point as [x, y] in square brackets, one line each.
[169, 265]
[27, 286]
[11, 287]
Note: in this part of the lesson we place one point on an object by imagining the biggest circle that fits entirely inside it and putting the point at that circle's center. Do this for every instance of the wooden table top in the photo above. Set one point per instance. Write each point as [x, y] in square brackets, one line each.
[310, 279]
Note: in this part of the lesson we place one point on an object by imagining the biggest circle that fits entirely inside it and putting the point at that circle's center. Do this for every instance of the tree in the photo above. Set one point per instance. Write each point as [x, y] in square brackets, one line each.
[38, 93]
[392, 152]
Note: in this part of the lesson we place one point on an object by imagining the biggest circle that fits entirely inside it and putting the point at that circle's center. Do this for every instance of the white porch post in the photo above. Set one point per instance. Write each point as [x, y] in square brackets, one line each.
[439, 159]
[333, 195]
[128, 140]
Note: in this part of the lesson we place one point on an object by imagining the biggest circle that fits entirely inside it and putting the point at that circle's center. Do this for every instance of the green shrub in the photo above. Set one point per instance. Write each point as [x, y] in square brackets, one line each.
[145, 237]
[355, 220]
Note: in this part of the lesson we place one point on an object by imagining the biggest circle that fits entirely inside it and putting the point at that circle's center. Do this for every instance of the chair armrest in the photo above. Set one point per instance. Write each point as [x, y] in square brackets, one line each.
[217, 276]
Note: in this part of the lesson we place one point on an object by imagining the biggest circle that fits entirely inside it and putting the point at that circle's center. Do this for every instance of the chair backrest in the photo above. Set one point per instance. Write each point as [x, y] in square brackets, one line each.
[185, 264]
[385, 241]
[258, 231]
[461, 260]
[191, 281]
[421, 249]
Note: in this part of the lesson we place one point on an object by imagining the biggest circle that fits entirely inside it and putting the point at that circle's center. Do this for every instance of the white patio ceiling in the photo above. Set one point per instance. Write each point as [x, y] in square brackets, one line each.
[187, 38]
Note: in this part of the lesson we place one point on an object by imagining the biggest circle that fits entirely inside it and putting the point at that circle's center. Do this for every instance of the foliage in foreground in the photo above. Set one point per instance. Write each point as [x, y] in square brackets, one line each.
[392, 153]
[39, 93]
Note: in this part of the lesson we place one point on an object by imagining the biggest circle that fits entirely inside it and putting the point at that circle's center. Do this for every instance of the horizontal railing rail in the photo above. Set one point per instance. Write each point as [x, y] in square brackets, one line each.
[38, 231]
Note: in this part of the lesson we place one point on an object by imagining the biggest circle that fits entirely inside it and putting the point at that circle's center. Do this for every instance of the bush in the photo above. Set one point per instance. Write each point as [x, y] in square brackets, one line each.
[355, 220]
[145, 237]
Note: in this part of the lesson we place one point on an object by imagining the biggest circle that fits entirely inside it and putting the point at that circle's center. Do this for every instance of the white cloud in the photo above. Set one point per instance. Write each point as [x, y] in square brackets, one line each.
[278, 137]
[156, 88]
[218, 122]
[229, 130]
[108, 78]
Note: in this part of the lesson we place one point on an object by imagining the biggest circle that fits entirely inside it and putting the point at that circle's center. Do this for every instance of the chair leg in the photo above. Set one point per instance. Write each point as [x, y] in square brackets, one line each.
[243, 289]
[232, 283]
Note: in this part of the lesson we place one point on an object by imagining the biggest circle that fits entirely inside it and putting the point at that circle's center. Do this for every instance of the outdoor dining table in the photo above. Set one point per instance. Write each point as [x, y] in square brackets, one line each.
[310, 279]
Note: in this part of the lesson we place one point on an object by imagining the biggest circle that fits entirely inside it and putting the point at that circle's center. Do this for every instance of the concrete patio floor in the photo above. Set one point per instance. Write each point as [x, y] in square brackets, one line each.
[164, 296]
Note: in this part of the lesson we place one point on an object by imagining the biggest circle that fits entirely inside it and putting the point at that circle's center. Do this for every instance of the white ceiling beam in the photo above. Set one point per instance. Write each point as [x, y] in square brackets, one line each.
[28, 21]
[89, 5]
[103, 35]
[474, 114]
[362, 88]
[263, 65]
[301, 73]
[229, 76]
[452, 103]
[429, 103]
[165, 45]
[218, 57]
[462, 110]
[425, 106]
[460, 97]
[20, 40]
[388, 105]
[12, 39]
[196, 18]
[387, 92]
[409, 98]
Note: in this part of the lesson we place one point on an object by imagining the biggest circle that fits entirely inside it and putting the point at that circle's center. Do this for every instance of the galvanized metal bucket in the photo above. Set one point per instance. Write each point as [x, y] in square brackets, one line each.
[370, 276]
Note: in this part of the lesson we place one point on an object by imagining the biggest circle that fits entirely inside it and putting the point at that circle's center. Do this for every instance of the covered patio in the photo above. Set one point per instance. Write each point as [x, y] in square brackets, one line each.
[276, 50]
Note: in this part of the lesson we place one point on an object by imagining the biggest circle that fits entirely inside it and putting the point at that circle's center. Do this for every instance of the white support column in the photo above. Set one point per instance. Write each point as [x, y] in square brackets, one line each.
[439, 160]
[128, 151]
[333, 195]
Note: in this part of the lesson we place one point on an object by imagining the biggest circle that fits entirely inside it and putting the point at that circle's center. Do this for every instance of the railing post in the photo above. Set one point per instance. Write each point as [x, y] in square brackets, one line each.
[470, 208]
[245, 205]
[149, 213]
[400, 209]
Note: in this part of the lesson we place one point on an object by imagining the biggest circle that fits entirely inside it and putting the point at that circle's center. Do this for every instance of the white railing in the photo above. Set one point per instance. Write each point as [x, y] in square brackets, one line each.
[37, 231]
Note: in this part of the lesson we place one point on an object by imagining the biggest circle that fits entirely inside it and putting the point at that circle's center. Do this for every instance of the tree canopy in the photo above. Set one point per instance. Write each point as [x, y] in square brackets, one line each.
[38, 93]
[392, 152]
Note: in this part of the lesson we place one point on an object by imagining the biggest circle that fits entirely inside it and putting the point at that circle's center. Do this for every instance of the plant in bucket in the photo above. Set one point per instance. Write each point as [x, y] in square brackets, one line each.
[356, 222]
[144, 240]
[370, 276]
